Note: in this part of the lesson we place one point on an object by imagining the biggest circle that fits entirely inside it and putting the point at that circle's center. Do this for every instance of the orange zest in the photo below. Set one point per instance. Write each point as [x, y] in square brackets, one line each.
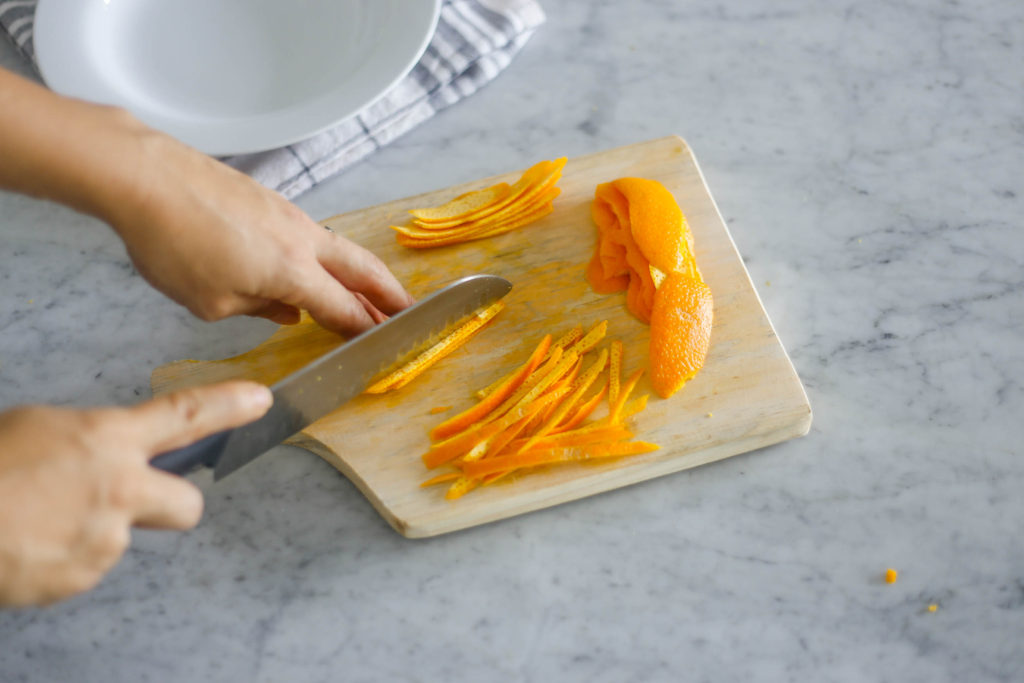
[584, 411]
[570, 337]
[537, 415]
[615, 372]
[440, 479]
[417, 366]
[556, 455]
[487, 212]
[459, 422]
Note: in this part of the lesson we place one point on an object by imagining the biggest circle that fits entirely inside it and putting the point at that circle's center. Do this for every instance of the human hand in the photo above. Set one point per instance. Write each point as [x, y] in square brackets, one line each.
[221, 244]
[73, 483]
[209, 237]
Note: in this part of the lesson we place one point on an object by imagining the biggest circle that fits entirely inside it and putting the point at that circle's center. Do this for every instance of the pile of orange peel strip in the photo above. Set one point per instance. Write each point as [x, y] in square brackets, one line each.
[418, 365]
[645, 247]
[484, 213]
[536, 415]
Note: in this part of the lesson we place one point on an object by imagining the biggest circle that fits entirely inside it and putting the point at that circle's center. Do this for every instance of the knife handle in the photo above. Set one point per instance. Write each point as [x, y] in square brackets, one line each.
[205, 452]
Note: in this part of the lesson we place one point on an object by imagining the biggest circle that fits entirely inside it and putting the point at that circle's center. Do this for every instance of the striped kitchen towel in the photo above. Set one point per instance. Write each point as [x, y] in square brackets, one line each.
[475, 40]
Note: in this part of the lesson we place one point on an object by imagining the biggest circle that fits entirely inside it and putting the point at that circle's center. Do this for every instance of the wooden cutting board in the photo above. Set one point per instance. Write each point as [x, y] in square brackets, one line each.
[747, 396]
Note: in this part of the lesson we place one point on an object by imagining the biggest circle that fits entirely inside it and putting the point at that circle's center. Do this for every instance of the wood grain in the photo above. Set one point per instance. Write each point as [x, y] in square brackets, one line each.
[748, 384]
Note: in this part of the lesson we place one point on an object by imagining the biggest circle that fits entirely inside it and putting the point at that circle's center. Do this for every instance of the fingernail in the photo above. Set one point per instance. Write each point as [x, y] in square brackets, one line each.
[259, 396]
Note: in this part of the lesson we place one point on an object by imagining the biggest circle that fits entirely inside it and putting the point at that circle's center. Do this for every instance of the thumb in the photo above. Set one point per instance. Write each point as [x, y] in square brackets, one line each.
[183, 417]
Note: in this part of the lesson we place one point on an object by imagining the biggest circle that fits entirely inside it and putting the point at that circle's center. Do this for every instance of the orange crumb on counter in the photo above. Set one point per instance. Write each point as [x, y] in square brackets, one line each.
[891, 575]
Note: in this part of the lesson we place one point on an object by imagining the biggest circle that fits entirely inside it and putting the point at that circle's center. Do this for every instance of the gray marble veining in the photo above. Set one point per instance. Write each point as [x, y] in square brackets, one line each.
[868, 158]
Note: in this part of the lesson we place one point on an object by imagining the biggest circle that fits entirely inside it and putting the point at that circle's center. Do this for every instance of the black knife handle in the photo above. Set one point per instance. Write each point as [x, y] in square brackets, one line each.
[205, 452]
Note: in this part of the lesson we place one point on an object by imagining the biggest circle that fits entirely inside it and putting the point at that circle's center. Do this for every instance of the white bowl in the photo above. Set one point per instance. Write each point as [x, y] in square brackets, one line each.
[232, 76]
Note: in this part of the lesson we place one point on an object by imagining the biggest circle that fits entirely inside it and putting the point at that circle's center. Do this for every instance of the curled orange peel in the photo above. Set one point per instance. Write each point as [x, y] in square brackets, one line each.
[645, 247]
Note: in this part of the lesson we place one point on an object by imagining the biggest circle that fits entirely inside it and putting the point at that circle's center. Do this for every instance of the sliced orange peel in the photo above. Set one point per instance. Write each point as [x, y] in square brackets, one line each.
[487, 212]
[535, 415]
[417, 366]
[645, 247]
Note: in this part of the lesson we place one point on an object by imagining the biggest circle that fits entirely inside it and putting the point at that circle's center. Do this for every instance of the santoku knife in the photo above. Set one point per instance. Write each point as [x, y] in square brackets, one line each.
[317, 389]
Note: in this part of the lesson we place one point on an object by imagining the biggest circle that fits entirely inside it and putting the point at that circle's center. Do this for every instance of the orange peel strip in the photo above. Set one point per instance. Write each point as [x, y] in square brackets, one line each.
[459, 422]
[413, 369]
[476, 470]
[460, 444]
[570, 337]
[578, 437]
[633, 407]
[512, 223]
[461, 487]
[614, 414]
[465, 204]
[592, 338]
[428, 232]
[530, 177]
[449, 449]
[536, 179]
[567, 361]
[441, 479]
[494, 444]
[579, 388]
[536, 376]
[500, 441]
[583, 412]
[615, 373]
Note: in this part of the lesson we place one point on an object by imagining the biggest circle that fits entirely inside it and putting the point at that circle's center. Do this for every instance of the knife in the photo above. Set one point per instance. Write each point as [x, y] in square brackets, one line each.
[306, 395]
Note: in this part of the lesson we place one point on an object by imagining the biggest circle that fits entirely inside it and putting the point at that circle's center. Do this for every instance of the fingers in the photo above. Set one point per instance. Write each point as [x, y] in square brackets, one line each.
[333, 306]
[360, 271]
[183, 417]
[277, 312]
[166, 502]
[377, 316]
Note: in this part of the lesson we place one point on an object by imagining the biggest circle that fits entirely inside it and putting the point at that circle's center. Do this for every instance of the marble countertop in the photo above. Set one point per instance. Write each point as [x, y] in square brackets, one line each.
[868, 158]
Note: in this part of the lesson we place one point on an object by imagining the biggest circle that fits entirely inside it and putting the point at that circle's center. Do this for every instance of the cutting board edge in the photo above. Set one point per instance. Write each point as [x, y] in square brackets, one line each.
[306, 442]
[746, 273]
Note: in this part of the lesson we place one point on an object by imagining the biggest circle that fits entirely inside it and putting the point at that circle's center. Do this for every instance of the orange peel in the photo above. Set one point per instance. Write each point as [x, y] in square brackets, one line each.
[570, 337]
[413, 369]
[459, 422]
[645, 247]
[536, 415]
[681, 323]
[487, 212]
[556, 455]
[464, 205]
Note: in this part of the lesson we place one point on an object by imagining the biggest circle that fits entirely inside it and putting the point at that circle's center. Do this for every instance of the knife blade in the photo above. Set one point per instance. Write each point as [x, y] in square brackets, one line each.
[326, 383]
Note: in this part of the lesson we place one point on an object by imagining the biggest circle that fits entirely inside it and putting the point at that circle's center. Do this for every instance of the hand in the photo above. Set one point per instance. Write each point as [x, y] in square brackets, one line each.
[209, 237]
[221, 244]
[73, 483]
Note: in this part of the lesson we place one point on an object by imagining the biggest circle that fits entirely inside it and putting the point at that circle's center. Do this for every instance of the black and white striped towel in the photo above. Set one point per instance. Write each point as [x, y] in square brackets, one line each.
[474, 41]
